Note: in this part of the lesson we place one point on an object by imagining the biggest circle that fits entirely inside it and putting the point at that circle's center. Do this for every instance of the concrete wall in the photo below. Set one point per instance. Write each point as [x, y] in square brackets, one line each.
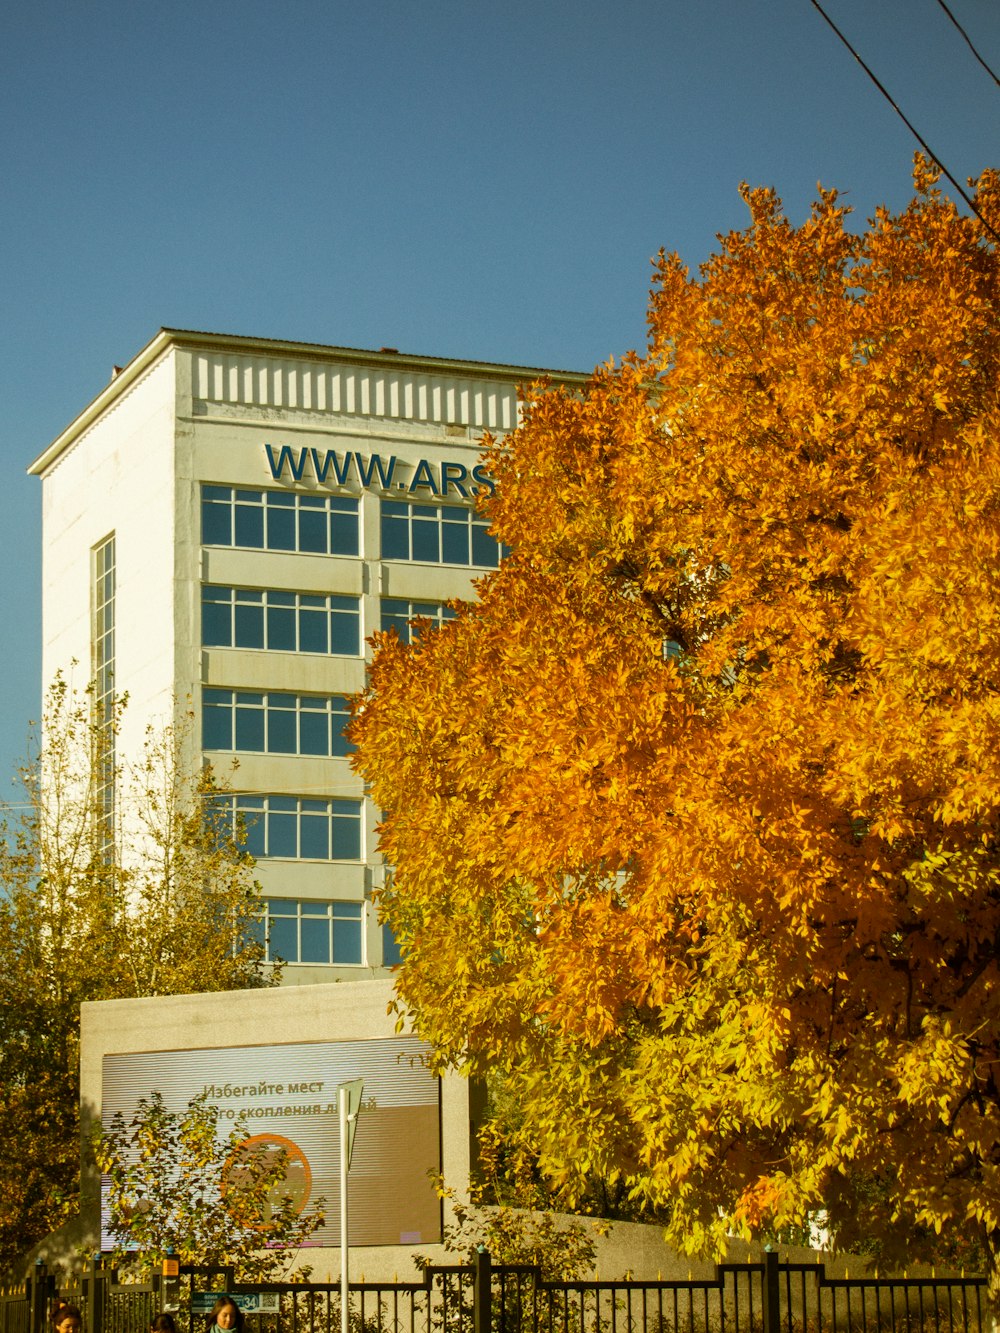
[116, 478]
[339, 1011]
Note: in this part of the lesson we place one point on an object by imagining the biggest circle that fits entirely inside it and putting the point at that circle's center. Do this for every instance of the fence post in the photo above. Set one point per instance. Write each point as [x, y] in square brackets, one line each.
[94, 1294]
[37, 1303]
[482, 1289]
[772, 1293]
[166, 1283]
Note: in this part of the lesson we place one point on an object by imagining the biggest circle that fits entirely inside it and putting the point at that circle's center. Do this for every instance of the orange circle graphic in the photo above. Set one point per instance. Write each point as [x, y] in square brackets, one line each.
[295, 1185]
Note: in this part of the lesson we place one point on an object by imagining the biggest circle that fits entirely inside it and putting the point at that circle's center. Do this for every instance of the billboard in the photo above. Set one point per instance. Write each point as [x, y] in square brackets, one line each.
[286, 1096]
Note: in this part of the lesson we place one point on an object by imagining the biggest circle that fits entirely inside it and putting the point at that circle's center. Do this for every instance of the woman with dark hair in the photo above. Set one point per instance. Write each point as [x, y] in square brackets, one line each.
[163, 1323]
[66, 1318]
[225, 1315]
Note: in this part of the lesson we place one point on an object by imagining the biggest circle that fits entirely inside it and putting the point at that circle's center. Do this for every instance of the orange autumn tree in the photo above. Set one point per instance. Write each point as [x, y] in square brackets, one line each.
[694, 814]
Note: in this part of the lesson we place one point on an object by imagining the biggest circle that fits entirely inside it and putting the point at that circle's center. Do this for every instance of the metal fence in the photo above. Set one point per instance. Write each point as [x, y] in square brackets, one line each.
[809, 1299]
[766, 1297]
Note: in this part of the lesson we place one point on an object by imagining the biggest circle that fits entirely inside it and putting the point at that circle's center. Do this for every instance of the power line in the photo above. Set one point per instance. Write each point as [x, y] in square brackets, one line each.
[968, 42]
[970, 202]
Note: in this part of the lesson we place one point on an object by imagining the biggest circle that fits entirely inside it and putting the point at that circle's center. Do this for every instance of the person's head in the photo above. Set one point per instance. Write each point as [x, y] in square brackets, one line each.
[163, 1323]
[67, 1319]
[225, 1315]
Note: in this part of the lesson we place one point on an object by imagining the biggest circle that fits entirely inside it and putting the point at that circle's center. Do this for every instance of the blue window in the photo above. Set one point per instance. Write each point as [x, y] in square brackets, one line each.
[249, 730]
[437, 535]
[302, 931]
[294, 827]
[392, 954]
[257, 723]
[397, 613]
[284, 622]
[280, 521]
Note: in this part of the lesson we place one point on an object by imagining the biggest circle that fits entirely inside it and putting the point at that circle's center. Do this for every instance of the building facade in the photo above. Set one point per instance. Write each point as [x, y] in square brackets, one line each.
[224, 526]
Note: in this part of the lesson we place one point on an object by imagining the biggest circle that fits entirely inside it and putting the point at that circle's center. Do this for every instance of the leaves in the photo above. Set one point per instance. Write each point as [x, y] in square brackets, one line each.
[562, 1249]
[177, 1187]
[694, 814]
[162, 907]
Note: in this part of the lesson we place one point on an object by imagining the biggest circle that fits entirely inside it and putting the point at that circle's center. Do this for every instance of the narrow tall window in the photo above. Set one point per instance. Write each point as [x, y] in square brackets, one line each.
[103, 639]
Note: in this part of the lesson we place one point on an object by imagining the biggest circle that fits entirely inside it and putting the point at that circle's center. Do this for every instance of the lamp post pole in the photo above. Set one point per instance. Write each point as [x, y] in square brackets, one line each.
[348, 1104]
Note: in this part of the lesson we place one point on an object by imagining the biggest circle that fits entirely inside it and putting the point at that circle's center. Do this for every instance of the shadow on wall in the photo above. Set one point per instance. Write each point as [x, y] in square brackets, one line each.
[629, 1249]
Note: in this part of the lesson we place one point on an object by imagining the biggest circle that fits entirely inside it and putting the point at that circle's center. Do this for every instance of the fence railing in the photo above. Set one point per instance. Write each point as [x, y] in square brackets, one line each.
[766, 1297]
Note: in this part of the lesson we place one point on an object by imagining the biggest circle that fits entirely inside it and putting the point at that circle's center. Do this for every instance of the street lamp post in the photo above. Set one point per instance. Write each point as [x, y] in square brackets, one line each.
[348, 1104]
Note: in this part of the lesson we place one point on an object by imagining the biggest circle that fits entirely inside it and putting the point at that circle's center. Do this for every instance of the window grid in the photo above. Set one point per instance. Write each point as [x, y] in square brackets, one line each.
[251, 722]
[437, 535]
[397, 613]
[260, 520]
[304, 931]
[277, 621]
[103, 650]
[296, 828]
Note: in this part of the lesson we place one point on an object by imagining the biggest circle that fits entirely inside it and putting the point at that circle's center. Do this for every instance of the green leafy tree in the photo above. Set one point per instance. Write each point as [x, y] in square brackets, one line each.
[561, 1247]
[115, 883]
[176, 1186]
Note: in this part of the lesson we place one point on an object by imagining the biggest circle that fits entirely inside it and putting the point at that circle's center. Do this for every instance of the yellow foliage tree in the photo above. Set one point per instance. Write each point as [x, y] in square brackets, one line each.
[694, 814]
[155, 902]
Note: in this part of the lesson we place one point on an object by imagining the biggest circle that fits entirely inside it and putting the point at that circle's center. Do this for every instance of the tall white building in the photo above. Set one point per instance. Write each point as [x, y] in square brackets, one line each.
[224, 526]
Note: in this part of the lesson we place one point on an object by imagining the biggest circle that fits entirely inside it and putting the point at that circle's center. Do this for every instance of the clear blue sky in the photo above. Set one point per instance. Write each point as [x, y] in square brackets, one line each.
[461, 179]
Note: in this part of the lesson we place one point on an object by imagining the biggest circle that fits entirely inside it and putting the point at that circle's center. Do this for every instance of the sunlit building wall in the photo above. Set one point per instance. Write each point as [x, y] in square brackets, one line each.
[268, 506]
